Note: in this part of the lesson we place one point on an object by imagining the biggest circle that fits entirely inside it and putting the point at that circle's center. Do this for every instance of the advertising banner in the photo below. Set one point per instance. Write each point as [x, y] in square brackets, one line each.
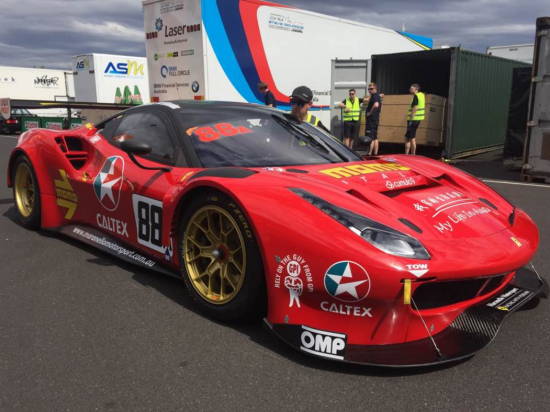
[175, 56]
[32, 84]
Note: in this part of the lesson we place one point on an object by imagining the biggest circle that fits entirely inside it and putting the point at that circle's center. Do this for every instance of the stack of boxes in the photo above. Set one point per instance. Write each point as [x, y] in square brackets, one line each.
[393, 120]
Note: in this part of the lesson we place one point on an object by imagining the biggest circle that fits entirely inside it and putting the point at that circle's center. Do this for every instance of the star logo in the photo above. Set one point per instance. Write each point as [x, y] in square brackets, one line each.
[108, 182]
[158, 24]
[347, 281]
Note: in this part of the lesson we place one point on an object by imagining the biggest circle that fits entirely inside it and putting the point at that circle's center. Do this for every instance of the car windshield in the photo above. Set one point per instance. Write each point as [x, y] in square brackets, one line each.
[258, 139]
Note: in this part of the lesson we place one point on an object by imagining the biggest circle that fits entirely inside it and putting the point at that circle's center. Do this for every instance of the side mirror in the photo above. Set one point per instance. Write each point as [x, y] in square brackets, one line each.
[137, 148]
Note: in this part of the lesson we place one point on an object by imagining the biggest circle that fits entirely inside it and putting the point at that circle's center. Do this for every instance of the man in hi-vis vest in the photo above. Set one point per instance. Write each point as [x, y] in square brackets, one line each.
[351, 116]
[416, 114]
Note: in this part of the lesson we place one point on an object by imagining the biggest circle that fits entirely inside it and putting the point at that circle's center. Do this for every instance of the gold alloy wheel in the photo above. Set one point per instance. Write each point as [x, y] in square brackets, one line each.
[24, 190]
[215, 254]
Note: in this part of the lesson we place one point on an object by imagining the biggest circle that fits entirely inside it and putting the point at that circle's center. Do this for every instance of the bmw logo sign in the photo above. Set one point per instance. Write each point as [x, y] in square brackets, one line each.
[195, 86]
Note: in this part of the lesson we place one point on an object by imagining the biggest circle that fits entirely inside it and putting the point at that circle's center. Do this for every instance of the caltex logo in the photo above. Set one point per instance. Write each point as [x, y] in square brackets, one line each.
[108, 182]
[347, 281]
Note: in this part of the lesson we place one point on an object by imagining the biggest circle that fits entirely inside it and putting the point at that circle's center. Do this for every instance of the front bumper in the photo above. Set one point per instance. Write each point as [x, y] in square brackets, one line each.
[471, 331]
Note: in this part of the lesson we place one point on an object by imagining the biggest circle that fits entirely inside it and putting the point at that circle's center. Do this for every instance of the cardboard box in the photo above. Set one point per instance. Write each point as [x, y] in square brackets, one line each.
[393, 119]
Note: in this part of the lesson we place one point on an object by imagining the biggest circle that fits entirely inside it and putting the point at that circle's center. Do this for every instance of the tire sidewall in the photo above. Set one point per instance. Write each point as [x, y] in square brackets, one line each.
[34, 220]
[252, 290]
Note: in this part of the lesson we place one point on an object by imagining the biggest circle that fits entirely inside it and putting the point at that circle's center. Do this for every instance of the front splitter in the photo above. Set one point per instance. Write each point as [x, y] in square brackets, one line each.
[471, 331]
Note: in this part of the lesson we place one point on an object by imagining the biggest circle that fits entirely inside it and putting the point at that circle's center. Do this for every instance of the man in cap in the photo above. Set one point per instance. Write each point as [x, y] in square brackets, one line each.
[301, 101]
[269, 98]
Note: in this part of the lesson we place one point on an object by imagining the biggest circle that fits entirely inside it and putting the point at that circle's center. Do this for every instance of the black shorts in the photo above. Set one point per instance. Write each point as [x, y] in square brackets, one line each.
[411, 129]
[351, 129]
[371, 128]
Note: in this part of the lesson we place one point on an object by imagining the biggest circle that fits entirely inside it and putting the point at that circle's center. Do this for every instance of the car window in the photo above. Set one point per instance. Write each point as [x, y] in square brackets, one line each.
[147, 127]
[108, 129]
[255, 140]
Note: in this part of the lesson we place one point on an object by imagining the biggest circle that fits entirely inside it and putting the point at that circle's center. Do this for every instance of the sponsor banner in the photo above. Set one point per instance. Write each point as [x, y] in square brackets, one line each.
[174, 43]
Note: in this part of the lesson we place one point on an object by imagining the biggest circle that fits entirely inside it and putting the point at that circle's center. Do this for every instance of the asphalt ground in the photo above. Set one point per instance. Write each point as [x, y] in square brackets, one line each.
[82, 331]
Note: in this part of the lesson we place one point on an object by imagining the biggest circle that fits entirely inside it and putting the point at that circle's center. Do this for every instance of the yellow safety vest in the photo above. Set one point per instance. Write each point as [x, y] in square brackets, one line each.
[312, 119]
[355, 110]
[419, 115]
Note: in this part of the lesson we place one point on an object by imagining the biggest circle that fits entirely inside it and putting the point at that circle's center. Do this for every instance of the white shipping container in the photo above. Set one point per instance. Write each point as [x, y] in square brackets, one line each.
[19, 83]
[520, 52]
[105, 78]
[221, 50]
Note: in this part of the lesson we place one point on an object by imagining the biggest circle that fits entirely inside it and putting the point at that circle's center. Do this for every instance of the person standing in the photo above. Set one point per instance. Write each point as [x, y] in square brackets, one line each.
[373, 118]
[269, 98]
[301, 101]
[351, 115]
[416, 115]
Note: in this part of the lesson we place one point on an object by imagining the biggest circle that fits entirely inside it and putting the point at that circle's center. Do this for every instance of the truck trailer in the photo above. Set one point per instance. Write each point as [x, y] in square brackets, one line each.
[222, 49]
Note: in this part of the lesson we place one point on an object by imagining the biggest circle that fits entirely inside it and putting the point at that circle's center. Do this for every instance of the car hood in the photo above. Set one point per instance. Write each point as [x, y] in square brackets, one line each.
[405, 197]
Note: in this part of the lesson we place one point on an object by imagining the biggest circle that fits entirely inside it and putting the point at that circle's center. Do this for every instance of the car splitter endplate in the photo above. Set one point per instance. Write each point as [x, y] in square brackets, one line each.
[470, 332]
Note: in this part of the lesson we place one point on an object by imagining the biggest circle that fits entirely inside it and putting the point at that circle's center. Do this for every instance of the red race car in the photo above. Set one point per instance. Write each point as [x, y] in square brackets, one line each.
[390, 260]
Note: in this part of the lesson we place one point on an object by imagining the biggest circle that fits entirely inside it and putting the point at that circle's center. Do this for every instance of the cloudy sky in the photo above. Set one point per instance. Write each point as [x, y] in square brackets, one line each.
[36, 33]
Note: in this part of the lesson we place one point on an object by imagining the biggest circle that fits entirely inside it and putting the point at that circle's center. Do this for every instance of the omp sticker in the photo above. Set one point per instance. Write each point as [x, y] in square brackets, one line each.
[66, 197]
[322, 343]
[357, 170]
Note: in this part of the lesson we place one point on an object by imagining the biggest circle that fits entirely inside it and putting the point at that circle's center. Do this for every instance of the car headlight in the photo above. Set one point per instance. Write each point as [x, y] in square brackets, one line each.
[385, 238]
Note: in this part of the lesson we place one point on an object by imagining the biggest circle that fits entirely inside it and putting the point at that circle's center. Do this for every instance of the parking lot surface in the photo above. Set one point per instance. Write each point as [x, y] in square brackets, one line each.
[82, 331]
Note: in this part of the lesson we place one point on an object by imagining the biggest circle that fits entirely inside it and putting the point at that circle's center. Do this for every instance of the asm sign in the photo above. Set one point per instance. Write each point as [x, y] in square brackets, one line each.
[130, 68]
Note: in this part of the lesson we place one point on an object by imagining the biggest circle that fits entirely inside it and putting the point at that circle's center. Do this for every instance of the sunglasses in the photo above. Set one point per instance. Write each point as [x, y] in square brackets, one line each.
[298, 103]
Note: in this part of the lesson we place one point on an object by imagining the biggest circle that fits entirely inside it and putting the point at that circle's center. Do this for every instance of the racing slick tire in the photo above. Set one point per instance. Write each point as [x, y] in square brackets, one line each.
[26, 193]
[220, 260]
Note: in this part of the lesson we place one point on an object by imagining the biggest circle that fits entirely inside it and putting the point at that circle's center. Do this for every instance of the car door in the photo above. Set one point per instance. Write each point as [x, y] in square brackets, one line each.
[130, 199]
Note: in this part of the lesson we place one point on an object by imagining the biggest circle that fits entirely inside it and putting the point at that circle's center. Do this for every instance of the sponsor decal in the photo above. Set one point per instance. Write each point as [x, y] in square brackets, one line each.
[108, 183]
[7, 79]
[66, 197]
[460, 217]
[511, 299]
[173, 71]
[95, 139]
[54, 126]
[188, 174]
[180, 30]
[172, 54]
[285, 23]
[156, 56]
[322, 343]
[517, 242]
[169, 251]
[112, 225]
[274, 169]
[113, 246]
[398, 184]
[357, 170]
[347, 281]
[129, 69]
[169, 6]
[187, 52]
[83, 64]
[195, 86]
[346, 309]
[419, 269]
[44, 81]
[148, 218]
[5, 108]
[31, 124]
[293, 269]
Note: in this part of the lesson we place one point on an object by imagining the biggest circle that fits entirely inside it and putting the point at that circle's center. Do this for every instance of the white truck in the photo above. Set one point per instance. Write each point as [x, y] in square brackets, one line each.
[520, 52]
[105, 78]
[222, 49]
[21, 83]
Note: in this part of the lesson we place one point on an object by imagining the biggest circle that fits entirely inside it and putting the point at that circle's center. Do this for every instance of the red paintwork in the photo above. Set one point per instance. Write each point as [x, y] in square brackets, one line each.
[465, 241]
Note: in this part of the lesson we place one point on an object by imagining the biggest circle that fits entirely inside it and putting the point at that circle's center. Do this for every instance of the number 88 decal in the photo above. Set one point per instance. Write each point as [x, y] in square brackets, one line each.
[148, 216]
